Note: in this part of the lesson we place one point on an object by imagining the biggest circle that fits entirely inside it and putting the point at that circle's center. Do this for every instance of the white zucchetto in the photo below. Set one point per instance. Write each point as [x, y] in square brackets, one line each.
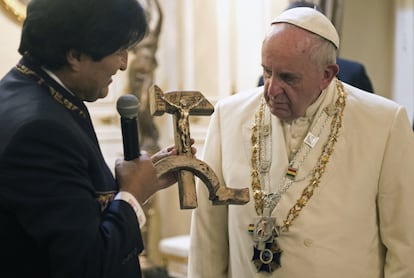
[310, 20]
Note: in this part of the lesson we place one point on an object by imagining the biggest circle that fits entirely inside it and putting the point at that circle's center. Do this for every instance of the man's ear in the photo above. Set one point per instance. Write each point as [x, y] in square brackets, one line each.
[329, 73]
[73, 58]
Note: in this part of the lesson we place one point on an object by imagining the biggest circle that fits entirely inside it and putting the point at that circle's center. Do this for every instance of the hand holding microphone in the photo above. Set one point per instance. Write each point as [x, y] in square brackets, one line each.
[138, 177]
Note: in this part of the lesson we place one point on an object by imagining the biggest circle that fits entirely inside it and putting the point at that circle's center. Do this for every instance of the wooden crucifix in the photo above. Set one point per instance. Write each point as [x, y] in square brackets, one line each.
[182, 104]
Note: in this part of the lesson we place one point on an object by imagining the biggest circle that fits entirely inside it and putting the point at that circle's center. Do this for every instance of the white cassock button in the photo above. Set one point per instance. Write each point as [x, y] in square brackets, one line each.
[308, 242]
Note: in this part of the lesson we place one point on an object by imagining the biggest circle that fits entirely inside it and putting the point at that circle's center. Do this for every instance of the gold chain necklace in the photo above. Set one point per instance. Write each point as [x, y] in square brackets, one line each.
[318, 170]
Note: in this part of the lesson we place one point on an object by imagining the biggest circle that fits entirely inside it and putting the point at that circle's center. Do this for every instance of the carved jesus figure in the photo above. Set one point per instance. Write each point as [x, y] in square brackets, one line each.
[184, 107]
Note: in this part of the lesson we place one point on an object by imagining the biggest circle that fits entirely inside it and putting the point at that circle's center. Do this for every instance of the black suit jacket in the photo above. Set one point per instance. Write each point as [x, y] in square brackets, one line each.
[56, 210]
[350, 72]
[354, 74]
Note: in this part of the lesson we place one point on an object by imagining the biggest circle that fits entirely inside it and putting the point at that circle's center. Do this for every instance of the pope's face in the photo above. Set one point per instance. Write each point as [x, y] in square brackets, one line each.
[292, 81]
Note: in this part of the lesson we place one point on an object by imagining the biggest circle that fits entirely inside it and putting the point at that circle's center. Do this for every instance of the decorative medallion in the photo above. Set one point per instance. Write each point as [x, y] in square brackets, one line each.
[268, 259]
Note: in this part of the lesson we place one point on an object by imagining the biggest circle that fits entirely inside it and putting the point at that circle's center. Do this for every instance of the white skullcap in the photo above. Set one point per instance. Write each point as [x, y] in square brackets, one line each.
[310, 20]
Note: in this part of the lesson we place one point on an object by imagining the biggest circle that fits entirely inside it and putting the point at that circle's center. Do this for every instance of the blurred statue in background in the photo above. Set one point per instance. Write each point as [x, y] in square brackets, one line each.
[140, 78]
[141, 75]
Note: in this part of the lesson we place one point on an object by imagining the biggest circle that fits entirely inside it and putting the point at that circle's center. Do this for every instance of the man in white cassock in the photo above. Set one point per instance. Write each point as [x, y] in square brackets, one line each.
[329, 167]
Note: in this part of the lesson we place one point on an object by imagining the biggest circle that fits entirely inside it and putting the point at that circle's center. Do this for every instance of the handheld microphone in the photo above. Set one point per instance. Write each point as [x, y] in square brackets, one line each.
[127, 106]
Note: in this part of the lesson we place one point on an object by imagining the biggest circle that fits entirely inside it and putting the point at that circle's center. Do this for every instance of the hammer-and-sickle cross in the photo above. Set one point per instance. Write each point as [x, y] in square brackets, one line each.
[182, 104]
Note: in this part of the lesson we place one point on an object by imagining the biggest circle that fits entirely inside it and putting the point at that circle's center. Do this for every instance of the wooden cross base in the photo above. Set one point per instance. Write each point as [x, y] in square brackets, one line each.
[219, 195]
[182, 104]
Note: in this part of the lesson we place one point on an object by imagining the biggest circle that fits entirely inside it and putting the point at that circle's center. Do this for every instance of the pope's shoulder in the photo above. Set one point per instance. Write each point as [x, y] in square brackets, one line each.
[242, 99]
[359, 98]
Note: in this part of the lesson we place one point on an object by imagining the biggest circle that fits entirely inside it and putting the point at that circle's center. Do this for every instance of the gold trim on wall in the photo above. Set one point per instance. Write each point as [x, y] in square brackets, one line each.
[16, 7]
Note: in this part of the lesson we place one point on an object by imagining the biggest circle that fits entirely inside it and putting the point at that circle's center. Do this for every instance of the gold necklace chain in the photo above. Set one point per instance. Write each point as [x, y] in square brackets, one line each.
[256, 153]
[318, 171]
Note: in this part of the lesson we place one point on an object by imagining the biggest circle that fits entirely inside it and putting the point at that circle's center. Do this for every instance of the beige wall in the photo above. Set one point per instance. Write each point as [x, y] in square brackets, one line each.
[403, 58]
[367, 37]
[9, 41]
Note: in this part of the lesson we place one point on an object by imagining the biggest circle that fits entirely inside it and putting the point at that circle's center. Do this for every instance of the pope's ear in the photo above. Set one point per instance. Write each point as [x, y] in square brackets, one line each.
[329, 73]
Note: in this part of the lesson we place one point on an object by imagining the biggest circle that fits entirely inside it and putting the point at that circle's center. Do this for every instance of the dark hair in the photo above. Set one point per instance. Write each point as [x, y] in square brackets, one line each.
[93, 27]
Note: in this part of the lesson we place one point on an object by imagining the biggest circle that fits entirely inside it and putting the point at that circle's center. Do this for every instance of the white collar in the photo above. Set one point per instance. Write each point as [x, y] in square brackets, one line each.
[54, 77]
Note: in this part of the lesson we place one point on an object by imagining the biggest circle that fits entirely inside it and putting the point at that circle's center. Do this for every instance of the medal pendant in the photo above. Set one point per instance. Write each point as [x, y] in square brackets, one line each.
[266, 252]
[268, 259]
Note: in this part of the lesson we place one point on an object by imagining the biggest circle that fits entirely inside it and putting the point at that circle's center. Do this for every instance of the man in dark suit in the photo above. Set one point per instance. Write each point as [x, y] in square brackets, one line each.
[62, 212]
[350, 72]
[354, 73]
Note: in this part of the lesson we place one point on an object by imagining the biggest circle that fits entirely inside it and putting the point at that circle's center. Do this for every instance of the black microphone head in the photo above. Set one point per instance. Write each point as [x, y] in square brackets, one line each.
[127, 106]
